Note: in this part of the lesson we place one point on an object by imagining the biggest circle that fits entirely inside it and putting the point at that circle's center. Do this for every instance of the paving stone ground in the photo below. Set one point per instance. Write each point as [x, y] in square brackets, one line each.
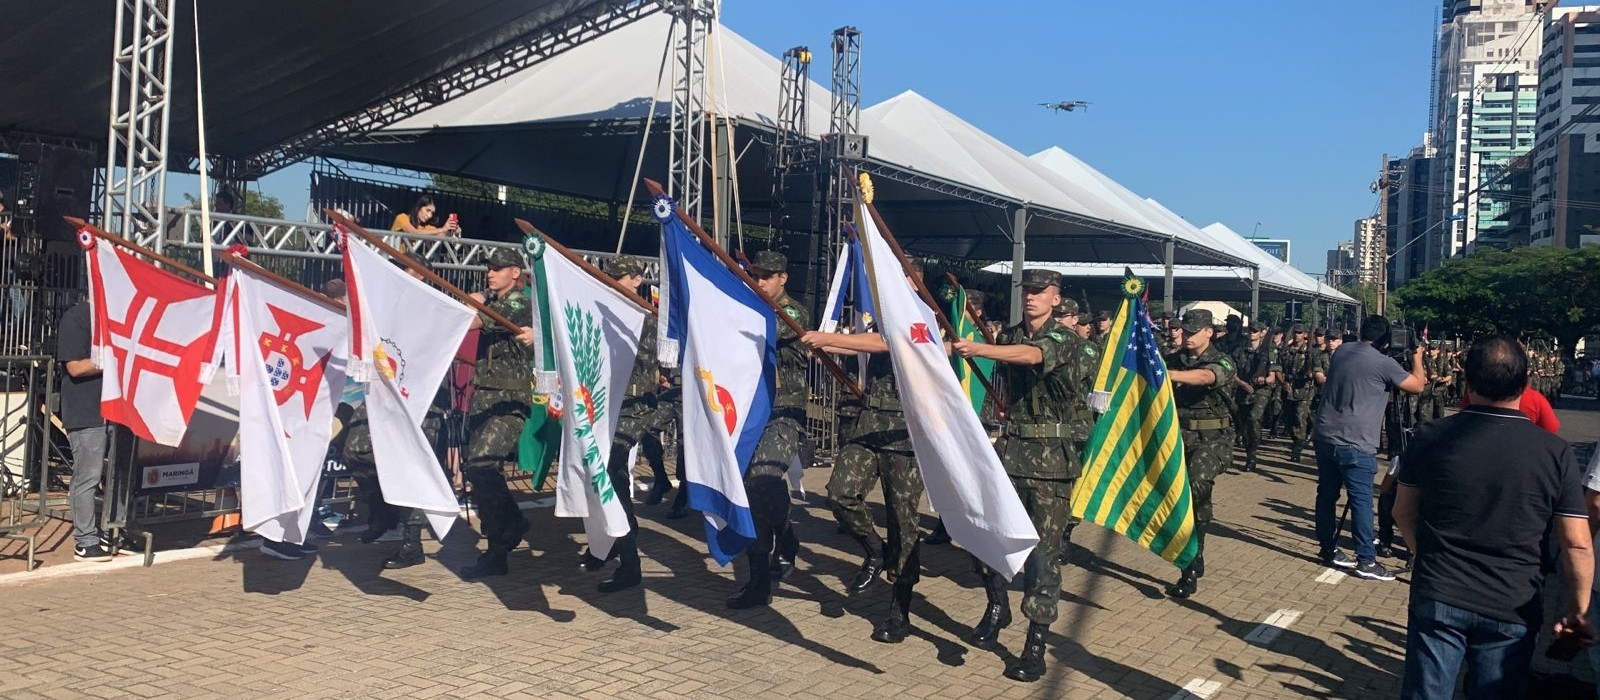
[241, 625]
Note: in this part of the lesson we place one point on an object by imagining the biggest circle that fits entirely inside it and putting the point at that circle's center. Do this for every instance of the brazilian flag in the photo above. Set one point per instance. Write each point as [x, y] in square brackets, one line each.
[967, 329]
[541, 432]
[1134, 477]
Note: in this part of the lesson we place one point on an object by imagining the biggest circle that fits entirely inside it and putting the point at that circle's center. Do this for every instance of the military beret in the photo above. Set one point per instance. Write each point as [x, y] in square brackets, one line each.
[505, 257]
[623, 265]
[769, 262]
[1066, 307]
[1036, 278]
[1196, 320]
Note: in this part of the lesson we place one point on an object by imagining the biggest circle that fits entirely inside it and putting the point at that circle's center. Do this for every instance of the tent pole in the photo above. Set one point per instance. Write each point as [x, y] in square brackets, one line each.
[1019, 257]
[1168, 250]
[1255, 294]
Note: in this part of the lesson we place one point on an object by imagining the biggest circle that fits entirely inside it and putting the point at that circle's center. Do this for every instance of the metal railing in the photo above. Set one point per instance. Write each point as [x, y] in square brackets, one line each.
[26, 432]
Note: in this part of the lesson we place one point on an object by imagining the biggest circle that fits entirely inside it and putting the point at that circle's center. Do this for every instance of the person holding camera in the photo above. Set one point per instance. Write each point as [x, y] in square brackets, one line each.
[1345, 435]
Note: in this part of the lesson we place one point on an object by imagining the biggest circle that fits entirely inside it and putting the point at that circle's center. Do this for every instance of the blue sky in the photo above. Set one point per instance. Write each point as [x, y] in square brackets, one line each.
[1235, 111]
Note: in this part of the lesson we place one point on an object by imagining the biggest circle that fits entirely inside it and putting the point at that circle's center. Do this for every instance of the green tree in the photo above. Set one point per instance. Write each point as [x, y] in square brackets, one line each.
[255, 203]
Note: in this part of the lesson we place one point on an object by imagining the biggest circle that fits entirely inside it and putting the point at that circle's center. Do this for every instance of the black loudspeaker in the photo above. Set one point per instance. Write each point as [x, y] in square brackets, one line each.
[66, 183]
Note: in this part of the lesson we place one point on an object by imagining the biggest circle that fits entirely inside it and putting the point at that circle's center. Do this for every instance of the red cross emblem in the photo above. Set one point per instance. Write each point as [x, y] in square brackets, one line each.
[920, 333]
[138, 351]
[286, 371]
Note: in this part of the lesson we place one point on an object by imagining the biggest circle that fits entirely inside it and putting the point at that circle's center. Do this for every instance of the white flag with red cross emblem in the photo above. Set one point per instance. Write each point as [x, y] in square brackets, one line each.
[152, 337]
[403, 335]
[292, 363]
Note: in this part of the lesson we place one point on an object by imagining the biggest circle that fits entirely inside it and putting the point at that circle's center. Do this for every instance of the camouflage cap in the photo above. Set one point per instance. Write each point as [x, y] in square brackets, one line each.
[1084, 320]
[624, 265]
[1196, 320]
[505, 257]
[1036, 278]
[1102, 315]
[1066, 307]
[417, 258]
[1254, 328]
[769, 262]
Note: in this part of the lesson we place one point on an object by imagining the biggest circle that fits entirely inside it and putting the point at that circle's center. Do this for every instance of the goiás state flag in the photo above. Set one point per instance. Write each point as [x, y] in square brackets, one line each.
[403, 336]
[965, 481]
[152, 334]
[727, 336]
[291, 357]
[596, 332]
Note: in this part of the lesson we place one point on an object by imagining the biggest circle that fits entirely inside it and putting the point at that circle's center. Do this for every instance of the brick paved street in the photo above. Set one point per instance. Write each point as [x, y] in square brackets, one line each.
[246, 626]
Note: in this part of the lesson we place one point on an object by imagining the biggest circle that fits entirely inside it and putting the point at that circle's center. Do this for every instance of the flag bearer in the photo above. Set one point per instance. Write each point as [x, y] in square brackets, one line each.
[879, 446]
[635, 418]
[765, 482]
[1202, 378]
[1048, 370]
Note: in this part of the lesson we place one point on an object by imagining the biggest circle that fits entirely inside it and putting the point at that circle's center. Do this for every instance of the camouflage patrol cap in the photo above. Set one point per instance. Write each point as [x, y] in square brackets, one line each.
[1102, 315]
[504, 257]
[1196, 320]
[1036, 278]
[1066, 307]
[417, 258]
[1084, 320]
[768, 262]
[624, 265]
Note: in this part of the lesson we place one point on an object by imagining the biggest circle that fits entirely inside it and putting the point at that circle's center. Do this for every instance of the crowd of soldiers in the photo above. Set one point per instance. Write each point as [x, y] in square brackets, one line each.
[1233, 384]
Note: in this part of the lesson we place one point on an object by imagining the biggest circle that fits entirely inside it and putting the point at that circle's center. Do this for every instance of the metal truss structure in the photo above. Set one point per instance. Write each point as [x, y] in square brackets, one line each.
[792, 148]
[136, 151]
[832, 204]
[549, 41]
[273, 237]
[686, 150]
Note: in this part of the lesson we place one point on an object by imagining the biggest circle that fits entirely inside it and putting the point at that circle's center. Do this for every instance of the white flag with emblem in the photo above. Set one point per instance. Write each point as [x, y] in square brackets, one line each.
[966, 483]
[596, 331]
[403, 335]
[292, 363]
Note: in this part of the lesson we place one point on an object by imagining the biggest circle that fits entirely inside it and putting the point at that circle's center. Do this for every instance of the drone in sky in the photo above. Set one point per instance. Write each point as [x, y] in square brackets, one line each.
[1066, 106]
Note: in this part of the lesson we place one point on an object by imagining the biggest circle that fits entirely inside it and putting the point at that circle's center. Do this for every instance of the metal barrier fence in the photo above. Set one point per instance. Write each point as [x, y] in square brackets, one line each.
[27, 446]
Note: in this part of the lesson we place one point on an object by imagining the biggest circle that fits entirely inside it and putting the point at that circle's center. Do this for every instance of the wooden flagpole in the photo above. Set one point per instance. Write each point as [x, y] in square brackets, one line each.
[280, 280]
[529, 229]
[828, 362]
[420, 269]
[135, 247]
[971, 310]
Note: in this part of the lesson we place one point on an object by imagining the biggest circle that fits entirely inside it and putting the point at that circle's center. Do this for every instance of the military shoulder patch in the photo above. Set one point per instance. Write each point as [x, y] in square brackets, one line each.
[1089, 350]
[1225, 364]
[791, 311]
[1057, 336]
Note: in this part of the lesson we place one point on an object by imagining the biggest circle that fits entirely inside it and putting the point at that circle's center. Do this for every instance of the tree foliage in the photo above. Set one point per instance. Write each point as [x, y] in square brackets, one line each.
[255, 203]
[1532, 292]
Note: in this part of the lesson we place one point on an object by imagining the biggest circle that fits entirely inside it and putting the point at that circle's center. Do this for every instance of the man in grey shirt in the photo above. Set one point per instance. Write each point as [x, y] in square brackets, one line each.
[1348, 424]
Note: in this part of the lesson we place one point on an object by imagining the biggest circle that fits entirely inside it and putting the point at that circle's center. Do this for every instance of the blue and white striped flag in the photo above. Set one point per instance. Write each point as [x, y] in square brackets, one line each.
[727, 340]
[849, 286]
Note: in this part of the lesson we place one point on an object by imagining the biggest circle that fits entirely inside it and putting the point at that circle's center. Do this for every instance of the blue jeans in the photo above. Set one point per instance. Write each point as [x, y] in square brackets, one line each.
[1350, 468]
[1438, 636]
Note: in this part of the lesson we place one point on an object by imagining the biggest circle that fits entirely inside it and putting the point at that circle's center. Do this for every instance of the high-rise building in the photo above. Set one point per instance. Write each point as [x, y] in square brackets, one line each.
[1566, 155]
[1414, 230]
[1341, 265]
[1366, 250]
[1485, 105]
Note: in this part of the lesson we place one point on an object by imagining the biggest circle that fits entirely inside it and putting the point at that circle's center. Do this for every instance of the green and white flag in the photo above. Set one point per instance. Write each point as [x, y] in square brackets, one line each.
[541, 432]
[595, 332]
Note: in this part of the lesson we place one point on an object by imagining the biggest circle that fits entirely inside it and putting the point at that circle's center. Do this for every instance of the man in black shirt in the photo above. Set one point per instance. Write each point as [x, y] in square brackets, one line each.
[86, 430]
[1478, 494]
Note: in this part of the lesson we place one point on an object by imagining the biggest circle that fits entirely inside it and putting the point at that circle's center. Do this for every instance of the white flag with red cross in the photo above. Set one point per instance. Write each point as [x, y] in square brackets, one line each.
[291, 362]
[152, 334]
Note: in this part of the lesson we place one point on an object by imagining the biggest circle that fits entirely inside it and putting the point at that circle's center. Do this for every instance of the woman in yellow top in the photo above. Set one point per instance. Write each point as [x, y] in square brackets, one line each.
[420, 220]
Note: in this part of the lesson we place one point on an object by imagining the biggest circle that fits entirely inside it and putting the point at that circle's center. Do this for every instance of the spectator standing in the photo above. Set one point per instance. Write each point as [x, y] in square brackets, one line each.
[1345, 435]
[85, 428]
[1478, 494]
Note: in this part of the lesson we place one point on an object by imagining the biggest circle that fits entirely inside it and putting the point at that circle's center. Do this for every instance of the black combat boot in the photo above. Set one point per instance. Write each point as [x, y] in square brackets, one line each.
[490, 563]
[658, 490]
[1030, 665]
[410, 552]
[1249, 463]
[1294, 451]
[757, 592]
[590, 562]
[784, 554]
[1187, 584]
[895, 628]
[996, 617]
[871, 565]
[939, 536]
[1067, 551]
[627, 575]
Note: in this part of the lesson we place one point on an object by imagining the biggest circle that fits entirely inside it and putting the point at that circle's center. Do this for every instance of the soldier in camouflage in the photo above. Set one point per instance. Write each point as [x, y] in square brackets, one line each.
[1272, 418]
[1070, 317]
[1254, 383]
[975, 299]
[502, 398]
[878, 446]
[1433, 399]
[1048, 370]
[1299, 389]
[634, 419]
[765, 483]
[1202, 381]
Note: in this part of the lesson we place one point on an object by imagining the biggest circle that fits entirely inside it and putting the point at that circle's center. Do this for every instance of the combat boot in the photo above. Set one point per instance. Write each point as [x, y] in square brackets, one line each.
[1188, 583]
[757, 592]
[1067, 549]
[939, 536]
[627, 575]
[996, 617]
[1029, 667]
[895, 628]
[1294, 451]
[1249, 463]
[871, 564]
[410, 552]
[784, 554]
[490, 563]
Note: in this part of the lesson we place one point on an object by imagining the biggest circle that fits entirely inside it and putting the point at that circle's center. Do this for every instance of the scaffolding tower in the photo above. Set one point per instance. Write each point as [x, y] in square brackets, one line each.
[136, 153]
[686, 152]
[842, 147]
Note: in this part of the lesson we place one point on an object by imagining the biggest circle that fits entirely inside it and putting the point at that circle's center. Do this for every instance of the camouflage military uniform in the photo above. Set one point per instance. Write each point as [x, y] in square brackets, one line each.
[1253, 364]
[1037, 448]
[634, 419]
[765, 482]
[500, 403]
[1298, 365]
[356, 450]
[879, 447]
[1204, 416]
[1272, 415]
[1431, 402]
